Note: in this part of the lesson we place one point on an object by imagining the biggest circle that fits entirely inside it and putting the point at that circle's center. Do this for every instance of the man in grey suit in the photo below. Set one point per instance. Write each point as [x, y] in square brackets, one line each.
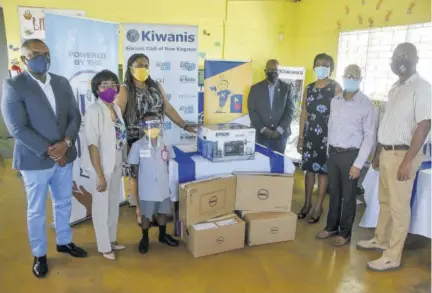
[271, 109]
[41, 113]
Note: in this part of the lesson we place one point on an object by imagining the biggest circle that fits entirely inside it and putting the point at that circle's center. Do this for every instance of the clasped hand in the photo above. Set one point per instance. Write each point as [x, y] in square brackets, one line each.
[271, 134]
[57, 152]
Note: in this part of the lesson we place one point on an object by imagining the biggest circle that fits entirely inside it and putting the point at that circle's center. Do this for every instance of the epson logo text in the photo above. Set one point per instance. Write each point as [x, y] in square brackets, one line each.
[219, 134]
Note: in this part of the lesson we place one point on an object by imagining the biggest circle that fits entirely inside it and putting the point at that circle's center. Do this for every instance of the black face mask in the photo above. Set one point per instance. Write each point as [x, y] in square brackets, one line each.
[272, 76]
[401, 67]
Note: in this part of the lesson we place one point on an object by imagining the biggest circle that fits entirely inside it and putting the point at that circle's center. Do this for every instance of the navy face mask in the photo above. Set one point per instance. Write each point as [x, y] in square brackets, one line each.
[39, 64]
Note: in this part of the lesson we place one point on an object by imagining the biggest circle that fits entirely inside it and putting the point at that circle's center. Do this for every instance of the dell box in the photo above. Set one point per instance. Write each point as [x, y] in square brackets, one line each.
[268, 227]
[204, 199]
[264, 192]
[215, 236]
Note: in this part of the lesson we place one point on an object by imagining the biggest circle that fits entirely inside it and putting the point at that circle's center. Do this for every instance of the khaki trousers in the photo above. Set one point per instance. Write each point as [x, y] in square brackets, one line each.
[394, 198]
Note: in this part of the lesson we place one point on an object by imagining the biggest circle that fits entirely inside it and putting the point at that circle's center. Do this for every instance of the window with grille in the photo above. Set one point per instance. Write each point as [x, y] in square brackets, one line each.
[372, 50]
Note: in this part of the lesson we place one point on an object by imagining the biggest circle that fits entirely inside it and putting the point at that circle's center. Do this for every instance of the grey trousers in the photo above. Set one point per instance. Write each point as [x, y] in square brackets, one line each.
[343, 192]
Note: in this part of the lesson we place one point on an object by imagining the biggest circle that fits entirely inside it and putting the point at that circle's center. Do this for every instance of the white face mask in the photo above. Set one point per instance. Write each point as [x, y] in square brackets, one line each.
[322, 72]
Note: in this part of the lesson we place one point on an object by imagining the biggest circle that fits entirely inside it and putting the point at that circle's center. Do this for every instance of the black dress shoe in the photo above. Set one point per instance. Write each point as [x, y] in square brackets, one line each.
[40, 266]
[168, 240]
[143, 245]
[72, 249]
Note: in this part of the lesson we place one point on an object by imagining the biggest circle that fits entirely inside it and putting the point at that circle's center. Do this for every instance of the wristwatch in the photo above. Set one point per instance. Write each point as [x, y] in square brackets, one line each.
[68, 142]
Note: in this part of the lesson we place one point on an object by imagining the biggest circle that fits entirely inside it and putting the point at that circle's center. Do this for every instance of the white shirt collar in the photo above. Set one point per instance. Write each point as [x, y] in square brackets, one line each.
[47, 81]
[273, 85]
[354, 98]
[411, 79]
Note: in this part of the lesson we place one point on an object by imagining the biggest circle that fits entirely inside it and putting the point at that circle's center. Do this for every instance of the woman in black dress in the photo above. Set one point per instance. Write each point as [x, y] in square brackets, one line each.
[312, 143]
[141, 94]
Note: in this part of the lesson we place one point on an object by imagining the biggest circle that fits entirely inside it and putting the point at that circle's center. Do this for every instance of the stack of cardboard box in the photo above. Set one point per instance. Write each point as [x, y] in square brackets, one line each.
[209, 225]
[262, 203]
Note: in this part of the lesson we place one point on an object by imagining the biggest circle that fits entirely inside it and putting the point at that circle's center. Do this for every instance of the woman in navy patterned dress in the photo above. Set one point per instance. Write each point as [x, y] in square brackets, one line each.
[312, 142]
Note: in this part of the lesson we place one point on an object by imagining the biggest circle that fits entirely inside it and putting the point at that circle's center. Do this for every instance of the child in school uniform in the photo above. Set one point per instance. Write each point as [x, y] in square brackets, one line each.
[148, 158]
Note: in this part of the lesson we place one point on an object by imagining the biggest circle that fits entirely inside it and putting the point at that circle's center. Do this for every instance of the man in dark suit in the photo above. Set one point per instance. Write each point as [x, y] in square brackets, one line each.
[41, 113]
[271, 109]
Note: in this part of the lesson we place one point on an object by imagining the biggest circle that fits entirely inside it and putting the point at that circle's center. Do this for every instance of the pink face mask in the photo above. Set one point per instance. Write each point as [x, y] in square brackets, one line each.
[108, 95]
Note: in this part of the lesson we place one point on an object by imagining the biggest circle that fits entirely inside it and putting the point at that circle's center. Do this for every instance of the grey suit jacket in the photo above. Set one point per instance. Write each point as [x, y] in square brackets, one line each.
[32, 122]
[278, 115]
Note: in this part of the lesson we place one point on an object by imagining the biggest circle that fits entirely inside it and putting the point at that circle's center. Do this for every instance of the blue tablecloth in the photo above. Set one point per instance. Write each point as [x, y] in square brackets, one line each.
[188, 165]
[421, 219]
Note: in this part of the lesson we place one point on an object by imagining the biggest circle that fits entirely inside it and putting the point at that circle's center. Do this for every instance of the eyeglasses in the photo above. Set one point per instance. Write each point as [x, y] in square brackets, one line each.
[350, 76]
[37, 53]
[398, 58]
[109, 85]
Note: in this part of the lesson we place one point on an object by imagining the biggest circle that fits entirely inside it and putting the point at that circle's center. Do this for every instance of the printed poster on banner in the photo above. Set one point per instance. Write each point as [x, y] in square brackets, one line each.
[295, 77]
[32, 20]
[79, 49]
[226, 89]
[173, 54]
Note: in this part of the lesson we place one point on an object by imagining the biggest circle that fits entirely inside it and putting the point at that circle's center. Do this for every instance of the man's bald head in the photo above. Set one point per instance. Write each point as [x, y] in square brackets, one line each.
[272, 63]
[407, 49]
[404, 60]
[353, 70]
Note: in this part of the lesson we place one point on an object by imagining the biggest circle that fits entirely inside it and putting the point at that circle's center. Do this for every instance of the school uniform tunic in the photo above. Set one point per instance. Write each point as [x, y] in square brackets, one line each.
[153, 177]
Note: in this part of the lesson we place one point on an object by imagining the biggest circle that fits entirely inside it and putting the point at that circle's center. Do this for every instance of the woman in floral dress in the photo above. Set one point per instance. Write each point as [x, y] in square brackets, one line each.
[312, 142]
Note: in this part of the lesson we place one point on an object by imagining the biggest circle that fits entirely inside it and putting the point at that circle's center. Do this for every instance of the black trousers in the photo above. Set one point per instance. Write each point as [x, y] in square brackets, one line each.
[343, 192]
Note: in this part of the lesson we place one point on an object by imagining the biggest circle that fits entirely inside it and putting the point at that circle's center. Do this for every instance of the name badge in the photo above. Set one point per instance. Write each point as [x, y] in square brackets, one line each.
[164, 154]
[145, 153]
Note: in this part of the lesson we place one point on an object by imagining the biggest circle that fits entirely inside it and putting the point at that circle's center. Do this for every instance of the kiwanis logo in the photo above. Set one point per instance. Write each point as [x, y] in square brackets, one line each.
[132, 35]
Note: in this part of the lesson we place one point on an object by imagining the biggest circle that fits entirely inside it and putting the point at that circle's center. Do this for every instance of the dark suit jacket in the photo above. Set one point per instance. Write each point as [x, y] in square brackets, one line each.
[263, 115]
[32, 122]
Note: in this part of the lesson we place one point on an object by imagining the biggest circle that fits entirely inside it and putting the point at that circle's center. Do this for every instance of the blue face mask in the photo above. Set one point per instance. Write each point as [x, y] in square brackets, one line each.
[39, 64]
[322, 72]
[351, 85]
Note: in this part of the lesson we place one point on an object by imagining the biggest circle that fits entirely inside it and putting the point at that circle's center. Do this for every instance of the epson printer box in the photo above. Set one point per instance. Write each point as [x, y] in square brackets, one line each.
[226, 142]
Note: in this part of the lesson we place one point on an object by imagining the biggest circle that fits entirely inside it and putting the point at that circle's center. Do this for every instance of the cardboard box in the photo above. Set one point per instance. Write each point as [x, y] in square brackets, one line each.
[264, 192]
[205, 199]
[215, 236]
[264, 228]
[226, 142]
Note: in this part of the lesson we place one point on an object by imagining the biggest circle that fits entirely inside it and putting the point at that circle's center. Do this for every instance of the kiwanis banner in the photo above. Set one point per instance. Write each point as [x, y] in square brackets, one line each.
[80, 48]
[173, 54]
[295, 77]
[226, 89]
